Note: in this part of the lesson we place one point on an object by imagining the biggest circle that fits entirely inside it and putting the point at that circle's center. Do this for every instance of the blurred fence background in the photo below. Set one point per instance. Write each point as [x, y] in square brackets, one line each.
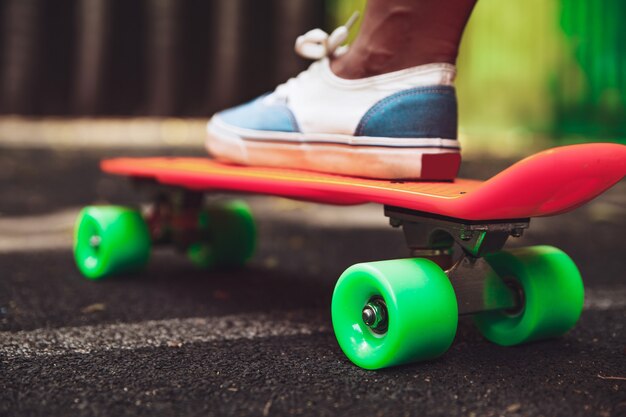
[529, 68]
[145, 57]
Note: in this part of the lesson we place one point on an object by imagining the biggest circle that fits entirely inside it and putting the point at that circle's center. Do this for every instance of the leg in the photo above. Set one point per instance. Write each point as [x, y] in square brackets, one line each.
[401, 34]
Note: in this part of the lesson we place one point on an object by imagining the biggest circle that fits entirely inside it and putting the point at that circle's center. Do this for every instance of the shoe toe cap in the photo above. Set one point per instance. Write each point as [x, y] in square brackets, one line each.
[258, 114]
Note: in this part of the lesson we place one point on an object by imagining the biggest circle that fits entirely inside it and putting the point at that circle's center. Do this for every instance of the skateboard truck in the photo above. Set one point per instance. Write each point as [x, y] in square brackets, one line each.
[172, 218]
[477, 286]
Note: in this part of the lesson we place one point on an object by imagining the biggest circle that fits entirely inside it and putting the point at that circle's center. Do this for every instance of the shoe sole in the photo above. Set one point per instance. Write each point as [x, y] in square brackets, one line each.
[361, 156]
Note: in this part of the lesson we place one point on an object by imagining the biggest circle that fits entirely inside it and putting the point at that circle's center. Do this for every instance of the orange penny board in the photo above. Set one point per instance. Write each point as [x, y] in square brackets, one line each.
[548, 183]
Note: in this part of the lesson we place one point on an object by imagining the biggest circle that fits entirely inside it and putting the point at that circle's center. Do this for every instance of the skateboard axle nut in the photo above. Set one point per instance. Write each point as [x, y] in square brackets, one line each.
[94, 241]
[374, 315]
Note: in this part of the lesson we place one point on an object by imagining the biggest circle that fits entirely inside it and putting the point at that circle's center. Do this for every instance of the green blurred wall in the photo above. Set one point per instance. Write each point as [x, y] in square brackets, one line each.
[590, 97]
[537, 71]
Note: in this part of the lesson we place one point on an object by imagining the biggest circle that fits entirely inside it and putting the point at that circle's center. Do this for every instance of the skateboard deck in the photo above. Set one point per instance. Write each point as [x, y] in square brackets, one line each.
[548, 183]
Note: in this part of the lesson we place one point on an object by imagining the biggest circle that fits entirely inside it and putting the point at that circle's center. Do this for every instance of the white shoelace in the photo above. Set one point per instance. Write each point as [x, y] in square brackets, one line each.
[315, 45]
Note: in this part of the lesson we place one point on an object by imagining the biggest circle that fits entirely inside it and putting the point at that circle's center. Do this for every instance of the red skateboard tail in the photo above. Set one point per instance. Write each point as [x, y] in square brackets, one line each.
[552, 182]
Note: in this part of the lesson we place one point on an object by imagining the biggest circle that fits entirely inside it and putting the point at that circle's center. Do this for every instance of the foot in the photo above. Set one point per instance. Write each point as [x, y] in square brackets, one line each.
[399, 125]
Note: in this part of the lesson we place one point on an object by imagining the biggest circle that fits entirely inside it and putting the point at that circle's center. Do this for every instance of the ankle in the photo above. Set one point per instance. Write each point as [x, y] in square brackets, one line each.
[363, 62]
[404, 34]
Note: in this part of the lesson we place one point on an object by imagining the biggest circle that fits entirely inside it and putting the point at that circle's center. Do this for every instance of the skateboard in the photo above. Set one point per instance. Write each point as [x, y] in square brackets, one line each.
[389, 312]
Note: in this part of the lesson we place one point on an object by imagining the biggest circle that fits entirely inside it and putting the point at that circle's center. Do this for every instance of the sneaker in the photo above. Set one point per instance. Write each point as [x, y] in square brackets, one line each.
[399, 125]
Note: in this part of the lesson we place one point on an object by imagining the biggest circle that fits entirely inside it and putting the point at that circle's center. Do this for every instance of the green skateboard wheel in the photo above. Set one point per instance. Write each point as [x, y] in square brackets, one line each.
[393, 312]
[552, 295]
[110, 240]
[230, 236]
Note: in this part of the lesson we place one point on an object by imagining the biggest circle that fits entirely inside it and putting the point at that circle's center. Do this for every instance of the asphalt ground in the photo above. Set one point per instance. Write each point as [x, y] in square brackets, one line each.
[179, 341]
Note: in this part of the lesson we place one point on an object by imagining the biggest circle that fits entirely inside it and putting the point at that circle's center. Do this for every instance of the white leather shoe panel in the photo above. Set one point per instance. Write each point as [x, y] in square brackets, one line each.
[323, 102]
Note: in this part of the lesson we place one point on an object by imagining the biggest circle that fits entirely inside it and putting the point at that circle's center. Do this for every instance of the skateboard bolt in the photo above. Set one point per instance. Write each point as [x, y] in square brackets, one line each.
[395, 222]
[466, 234]
[374, 315]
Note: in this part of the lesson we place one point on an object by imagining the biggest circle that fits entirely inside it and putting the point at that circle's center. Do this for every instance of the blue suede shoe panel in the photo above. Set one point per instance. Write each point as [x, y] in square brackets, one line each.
[259, 116]
[423, 112]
